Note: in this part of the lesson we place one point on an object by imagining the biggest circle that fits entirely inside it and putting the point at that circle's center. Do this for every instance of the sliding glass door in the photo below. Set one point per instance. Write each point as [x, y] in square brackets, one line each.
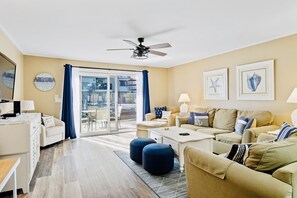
[107, 103]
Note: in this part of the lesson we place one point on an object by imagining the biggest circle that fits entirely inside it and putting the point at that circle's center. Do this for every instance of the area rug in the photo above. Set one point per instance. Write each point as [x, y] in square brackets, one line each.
[170, 185]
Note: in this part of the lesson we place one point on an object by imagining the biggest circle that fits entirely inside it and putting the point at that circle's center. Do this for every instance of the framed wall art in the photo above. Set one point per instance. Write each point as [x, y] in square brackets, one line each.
[216, 84]
[255, 81]
[44, 81]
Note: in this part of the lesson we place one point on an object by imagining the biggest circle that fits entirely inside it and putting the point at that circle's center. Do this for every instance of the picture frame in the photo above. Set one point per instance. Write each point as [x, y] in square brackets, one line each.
[255, 81]
[216, 84]
[44, 82]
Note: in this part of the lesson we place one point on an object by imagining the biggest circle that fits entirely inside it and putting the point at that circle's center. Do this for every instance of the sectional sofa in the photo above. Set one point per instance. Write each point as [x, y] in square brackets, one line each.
[222, 125]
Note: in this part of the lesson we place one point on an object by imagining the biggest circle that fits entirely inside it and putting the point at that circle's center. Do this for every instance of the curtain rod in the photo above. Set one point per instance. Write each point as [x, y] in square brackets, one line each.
[83, 67]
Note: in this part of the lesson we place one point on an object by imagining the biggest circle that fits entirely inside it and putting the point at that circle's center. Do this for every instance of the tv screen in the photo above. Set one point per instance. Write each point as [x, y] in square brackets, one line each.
[7, 78]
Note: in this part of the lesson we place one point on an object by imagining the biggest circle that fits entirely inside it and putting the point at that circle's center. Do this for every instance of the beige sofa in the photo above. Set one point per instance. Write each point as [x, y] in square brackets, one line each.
[222, 123]
[152, 122]
[210, 175]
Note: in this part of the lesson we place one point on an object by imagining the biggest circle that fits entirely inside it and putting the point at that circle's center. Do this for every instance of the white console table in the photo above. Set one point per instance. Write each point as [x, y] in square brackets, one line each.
[19, 138]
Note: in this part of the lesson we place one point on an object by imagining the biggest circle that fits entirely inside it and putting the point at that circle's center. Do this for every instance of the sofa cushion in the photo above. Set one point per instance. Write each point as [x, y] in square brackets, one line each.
[264, 118]
[225, 119]
[229, 138]
[150, 124]
[51, 131]
[212, 131]
[267, 157]
[190, 126]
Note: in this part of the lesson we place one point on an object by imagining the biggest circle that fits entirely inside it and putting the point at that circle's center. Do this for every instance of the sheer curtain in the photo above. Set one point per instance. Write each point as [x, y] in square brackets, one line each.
[139, 98]
[76, 99]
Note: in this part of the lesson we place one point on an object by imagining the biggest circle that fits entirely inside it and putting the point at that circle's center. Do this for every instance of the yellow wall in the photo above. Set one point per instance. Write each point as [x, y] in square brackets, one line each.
[189, 77]
[9, 49]
[44, 101]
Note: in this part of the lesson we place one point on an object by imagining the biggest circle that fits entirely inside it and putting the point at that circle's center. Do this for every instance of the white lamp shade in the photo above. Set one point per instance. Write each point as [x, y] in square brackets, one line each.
[184, 97]
[27, 105]
[293, 97]
[6, 107]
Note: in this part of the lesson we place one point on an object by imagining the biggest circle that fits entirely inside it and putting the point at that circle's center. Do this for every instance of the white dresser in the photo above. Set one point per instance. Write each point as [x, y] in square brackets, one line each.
[19, 137]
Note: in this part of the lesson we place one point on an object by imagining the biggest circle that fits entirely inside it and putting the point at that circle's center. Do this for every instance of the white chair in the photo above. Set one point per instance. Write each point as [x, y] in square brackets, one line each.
[50, 135]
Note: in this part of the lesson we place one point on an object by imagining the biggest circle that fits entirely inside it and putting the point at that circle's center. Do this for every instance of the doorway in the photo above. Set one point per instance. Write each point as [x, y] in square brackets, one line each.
[108, 102]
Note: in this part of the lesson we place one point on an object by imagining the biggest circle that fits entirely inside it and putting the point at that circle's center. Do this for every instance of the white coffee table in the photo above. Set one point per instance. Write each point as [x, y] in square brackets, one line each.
[178, 142]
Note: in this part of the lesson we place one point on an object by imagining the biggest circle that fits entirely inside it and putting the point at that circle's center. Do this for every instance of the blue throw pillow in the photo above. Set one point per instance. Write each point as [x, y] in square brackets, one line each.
[158, 111]
[240, 125]
[249, 123]
[285, 131]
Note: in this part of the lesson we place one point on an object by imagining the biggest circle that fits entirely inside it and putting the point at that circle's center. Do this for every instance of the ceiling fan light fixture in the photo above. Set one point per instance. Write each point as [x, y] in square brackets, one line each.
[139, 56]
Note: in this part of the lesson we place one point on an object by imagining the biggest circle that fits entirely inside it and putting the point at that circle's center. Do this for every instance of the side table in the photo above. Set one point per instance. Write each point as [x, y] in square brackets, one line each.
[7, 169]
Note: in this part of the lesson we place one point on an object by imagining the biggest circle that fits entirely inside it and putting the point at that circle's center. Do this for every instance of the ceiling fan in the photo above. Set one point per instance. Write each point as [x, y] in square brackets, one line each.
[141, 51]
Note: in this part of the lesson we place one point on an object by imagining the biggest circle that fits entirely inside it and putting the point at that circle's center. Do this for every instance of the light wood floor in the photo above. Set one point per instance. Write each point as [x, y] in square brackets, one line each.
[87, 167]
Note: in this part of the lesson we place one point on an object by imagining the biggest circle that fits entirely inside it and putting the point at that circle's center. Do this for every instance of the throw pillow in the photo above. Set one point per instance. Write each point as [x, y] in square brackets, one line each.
[158, 111]
[166, 114]
[240, 125]
[285, 131]
[267, 157]
[201, 119]
[251, 123]
[48, 121]
[238, 152]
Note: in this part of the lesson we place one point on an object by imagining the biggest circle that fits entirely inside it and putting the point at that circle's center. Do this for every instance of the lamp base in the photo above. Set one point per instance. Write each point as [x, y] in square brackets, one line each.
[183, 109]
[294, 117]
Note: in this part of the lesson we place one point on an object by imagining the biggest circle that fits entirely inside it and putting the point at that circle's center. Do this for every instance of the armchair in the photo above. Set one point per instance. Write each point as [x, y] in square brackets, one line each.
[152, 122]
[50, 135]
[170, 120]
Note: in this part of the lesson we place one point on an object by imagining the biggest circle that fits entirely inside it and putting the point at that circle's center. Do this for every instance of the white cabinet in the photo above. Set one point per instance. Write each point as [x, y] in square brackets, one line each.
[19, 137]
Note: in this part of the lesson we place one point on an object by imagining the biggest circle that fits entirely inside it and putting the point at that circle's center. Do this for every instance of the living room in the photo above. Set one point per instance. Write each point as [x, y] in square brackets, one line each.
[203, 38]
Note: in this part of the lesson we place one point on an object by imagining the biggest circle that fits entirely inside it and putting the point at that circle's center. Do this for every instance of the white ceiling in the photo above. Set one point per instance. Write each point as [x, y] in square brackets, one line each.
[84, 29]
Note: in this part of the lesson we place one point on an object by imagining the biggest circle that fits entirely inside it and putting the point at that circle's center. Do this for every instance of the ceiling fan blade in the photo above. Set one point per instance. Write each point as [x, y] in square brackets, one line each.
[157, 53]
[120, 49]
[158, 46]
[130, 42]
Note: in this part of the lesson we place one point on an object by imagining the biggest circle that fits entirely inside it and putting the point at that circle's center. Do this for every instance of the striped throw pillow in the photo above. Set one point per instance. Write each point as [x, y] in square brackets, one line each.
[285, 131]
[238, 152]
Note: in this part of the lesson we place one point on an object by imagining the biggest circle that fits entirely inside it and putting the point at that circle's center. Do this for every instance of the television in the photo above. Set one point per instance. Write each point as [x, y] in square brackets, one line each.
[7, 78]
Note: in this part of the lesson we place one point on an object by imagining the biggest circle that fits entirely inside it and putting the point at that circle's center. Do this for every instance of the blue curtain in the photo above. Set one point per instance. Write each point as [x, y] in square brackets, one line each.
[146, 94]
[67, 106]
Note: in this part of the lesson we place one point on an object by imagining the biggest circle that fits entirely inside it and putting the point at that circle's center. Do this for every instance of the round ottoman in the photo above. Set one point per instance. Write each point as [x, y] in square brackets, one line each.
[158, 159]
[136, 147]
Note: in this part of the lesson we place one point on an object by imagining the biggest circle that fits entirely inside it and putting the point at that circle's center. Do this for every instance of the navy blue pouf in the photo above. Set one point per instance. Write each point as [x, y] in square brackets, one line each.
[158, 159]
[136, 147]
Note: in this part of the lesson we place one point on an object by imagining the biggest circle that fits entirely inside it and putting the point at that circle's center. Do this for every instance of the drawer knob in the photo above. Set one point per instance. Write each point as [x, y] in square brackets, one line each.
[170, 145]
[155, 138]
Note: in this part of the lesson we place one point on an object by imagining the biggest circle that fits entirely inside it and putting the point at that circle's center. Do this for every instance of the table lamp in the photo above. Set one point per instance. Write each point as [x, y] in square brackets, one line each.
[184, 97]
[27, 105]
[293, 99]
